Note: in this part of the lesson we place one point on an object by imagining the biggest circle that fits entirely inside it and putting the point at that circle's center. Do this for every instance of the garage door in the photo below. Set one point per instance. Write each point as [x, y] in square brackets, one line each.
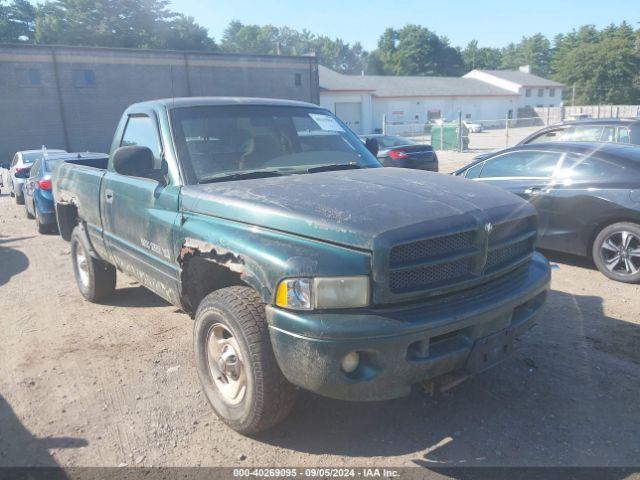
[350, 113]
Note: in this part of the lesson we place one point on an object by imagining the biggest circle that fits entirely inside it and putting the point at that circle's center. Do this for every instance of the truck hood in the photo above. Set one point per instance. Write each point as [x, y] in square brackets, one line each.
[355, 207]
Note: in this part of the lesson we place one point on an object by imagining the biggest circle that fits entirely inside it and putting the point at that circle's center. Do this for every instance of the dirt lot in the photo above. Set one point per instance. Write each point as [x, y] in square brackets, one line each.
[114, 384]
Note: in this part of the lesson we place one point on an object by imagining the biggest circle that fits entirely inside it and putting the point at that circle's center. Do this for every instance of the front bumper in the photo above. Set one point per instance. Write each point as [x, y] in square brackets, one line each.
[403, 345]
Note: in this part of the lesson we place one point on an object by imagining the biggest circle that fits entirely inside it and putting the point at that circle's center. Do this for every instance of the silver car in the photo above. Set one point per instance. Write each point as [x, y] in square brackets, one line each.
[19, 170]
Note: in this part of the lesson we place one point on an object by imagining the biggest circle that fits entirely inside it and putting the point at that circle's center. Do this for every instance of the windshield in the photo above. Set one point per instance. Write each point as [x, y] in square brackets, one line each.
[389, 141]
[218, 140]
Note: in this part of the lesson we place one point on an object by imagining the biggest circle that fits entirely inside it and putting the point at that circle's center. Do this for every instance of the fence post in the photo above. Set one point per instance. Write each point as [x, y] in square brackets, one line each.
[506, 131]
[460, 141]
[384, 123]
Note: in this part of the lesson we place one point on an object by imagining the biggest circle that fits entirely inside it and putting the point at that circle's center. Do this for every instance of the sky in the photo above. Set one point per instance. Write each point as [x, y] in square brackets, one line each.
[494, 23]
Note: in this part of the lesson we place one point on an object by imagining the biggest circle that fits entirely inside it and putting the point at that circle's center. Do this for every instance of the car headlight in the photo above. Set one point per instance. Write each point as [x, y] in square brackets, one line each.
[323, 292]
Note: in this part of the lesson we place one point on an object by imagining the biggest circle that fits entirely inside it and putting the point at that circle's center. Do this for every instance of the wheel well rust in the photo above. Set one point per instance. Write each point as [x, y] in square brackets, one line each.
[204, 268]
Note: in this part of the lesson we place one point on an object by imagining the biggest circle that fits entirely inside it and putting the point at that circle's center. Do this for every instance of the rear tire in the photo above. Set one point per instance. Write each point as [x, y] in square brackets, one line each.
[43, 228]
[96, 279]
[616, 252]
[236, 364]
[19, 199]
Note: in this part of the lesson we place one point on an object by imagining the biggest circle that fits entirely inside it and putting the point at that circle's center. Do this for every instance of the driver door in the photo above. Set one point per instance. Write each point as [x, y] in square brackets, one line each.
[140, 214]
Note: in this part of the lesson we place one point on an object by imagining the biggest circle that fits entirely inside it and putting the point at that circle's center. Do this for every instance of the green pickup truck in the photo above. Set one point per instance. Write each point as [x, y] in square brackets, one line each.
[303, 261]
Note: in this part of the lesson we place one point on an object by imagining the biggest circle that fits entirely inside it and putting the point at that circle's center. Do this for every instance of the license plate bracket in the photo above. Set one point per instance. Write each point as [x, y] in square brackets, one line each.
[490, 350]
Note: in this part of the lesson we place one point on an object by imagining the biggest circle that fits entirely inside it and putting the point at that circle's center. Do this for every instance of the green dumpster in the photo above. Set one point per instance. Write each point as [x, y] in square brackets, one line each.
[445, 136]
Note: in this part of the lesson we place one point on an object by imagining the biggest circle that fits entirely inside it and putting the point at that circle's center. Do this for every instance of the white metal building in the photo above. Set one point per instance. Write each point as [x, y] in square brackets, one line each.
[362, 100]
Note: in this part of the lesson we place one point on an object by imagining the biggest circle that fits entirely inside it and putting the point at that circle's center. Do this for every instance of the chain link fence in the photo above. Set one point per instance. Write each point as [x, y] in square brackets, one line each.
[496, 133]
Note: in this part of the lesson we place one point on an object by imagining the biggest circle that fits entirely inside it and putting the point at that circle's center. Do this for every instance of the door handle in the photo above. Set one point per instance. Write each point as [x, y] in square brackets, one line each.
[108, 195]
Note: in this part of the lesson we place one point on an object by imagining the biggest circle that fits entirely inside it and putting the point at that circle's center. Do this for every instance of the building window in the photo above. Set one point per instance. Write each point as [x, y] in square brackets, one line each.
[84, 78]
[539, 106]
[28, 77]
[541, 92]
[527, 92]
[298, 80]
[551, 105]
[552, 92]
[468, 116]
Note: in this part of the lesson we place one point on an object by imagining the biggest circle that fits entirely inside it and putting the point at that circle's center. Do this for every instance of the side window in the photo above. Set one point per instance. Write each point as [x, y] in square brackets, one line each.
[623, 135]
[474, 172]
[590, 168]
[34, 170]
[141, 131]
[608, 134]
[550, 136]
[584, 134]
[521, 164]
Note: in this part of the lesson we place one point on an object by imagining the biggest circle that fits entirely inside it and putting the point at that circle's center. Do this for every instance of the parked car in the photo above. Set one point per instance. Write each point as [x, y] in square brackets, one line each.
[474, 127]
[587, 196]
[303, 262]
[593, 130]
[395, 151]
[38, 198]
[20, 167]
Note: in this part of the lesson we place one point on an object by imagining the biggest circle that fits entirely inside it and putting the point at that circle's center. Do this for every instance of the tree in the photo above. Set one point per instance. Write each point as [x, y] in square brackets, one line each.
[481, 58]
[415, 50]
[534, 51]
[118, 23]
[270, 40]
[602, 65]
[17, 21]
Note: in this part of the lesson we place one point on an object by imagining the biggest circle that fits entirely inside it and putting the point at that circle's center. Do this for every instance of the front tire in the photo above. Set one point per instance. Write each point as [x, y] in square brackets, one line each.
[28, 213]
[616, 252]
[236, 364]
[19, 199]
[96, 279]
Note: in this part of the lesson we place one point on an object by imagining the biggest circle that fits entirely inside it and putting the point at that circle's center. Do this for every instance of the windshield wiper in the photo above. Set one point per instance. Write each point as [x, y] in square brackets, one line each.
[224, 177]
[334, 166]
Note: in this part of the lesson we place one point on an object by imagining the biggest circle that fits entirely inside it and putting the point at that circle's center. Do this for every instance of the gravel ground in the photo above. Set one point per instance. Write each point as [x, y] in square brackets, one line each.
[114, 384]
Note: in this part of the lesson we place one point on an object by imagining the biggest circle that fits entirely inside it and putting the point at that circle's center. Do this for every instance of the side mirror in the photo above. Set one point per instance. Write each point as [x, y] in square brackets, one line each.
[372, 146]
[133, 161]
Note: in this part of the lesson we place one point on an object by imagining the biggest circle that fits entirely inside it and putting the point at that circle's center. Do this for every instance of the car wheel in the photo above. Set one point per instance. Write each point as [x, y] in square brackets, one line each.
[236, 364]
[19, 199]
[616, 252]
[96, 279]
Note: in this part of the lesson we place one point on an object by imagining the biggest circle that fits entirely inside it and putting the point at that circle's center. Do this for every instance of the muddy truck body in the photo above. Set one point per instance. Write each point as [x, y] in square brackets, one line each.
[303, 261]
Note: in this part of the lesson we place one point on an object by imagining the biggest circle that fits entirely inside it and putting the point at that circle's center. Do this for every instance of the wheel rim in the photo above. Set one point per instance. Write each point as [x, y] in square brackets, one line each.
[226, 364]
[620, 253]
[83, 265]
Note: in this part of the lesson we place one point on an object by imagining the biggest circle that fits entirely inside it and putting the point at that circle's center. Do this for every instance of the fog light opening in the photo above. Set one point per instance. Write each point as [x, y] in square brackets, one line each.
[350, 362]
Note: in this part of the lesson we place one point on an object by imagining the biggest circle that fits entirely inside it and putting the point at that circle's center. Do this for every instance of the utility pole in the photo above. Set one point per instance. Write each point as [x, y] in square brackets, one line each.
[573, 95]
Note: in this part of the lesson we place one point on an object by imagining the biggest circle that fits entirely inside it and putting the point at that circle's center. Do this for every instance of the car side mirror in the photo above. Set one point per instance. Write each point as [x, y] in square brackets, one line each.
[373, 146]
[134, 161]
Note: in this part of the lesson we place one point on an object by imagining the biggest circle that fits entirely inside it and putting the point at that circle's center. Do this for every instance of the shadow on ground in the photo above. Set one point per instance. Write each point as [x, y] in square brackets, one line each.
[134, 297]
[20, 448]
[567, 397]
[12, 261]
[568, 259]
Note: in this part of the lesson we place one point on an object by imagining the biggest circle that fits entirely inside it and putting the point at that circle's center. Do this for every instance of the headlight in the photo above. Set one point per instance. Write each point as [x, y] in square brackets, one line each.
[323, 292]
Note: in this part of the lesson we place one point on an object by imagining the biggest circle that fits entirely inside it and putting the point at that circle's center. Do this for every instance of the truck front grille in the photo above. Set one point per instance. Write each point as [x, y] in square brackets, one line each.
[434, 263]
